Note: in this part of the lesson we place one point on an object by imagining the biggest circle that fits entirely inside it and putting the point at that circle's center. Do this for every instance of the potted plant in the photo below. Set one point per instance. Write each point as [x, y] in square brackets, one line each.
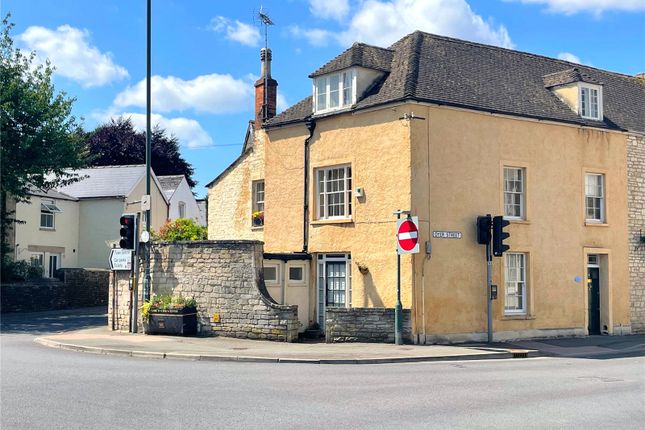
[258, 218]
[171, 315]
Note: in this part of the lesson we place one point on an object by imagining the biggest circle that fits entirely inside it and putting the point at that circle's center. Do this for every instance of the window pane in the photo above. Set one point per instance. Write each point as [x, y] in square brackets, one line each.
[295, 274]
[594, 103]
[594, 192]
[321, 90]
[515, 284]
[334, 87]
[270, 273]
[347, 89]
[584, 101]
[513, 192]
[334, 192]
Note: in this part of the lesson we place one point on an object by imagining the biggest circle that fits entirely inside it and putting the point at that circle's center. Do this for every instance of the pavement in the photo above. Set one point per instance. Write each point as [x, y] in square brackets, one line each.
[104, 341]
[69, 330]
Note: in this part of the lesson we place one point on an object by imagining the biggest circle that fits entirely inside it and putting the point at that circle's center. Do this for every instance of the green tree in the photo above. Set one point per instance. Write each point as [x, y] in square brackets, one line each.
[40, 138]
[117, 142]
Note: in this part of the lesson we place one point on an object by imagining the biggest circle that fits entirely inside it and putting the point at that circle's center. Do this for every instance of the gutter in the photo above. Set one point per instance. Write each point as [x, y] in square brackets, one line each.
[310, 123]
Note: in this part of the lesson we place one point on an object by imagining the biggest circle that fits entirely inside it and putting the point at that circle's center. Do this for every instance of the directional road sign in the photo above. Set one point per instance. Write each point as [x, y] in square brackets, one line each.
[120, 259]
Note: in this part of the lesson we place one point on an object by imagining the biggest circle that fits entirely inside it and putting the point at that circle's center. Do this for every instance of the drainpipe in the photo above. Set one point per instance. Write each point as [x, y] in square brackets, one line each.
[310, 123]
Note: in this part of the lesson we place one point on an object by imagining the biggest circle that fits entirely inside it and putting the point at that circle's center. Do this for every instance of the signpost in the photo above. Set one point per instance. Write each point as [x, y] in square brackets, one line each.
[120, 259]
[407, 235]
[407, 242]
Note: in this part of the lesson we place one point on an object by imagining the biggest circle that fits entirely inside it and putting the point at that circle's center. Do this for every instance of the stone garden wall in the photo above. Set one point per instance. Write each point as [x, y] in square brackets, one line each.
[225, 278]
[364, 325]
[636, 225]
[77, 288]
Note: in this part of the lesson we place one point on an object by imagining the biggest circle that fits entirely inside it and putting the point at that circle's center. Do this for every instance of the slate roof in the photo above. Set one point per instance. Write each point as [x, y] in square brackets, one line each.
[106, 181]
[567, 77]
[52, 194]
[169, 184]
[446, 71]
[359, 54]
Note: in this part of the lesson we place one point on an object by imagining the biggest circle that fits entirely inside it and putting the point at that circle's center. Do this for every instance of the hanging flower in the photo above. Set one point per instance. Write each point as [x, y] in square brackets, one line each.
[258, 218]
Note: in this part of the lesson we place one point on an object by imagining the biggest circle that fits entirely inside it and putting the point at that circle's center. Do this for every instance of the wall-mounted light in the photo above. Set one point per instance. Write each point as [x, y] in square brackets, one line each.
[359, 192]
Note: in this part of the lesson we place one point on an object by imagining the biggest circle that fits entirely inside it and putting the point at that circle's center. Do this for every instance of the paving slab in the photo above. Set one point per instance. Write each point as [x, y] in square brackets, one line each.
[104, 341]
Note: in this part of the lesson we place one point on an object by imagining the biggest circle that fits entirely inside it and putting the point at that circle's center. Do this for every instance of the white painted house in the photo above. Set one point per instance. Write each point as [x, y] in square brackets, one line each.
[76, 225]
[182, 200]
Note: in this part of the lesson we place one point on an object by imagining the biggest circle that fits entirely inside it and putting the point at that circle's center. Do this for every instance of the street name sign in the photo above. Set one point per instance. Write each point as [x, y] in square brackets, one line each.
[120, 259]
[407, 235]
[446, 234]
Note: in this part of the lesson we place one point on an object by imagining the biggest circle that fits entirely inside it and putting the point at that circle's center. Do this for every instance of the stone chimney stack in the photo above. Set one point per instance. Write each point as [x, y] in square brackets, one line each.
[266, 91]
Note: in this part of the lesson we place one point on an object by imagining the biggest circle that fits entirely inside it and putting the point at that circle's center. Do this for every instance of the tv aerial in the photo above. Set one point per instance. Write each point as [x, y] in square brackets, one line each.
[264, 20]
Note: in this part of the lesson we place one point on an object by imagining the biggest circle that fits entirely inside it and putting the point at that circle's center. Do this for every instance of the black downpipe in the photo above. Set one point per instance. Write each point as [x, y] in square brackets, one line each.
[310, 123]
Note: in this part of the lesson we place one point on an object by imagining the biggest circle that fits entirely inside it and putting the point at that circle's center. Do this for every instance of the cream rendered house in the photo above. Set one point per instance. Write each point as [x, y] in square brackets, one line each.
[182, 202]
[77, 225]
[450, 130]
[49, 235]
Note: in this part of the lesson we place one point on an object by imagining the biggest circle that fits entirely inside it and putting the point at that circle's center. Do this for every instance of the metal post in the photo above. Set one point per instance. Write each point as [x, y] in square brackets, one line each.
[398, 308]
[146, 263]
[489, 281]
[135, 294]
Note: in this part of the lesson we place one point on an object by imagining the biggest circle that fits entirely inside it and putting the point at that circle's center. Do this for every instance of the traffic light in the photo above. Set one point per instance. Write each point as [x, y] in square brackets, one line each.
[499, 235]
[483, 229]
[128, 231]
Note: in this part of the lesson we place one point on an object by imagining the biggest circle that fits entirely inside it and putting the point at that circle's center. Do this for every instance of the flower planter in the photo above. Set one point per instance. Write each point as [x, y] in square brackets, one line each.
[176, 322]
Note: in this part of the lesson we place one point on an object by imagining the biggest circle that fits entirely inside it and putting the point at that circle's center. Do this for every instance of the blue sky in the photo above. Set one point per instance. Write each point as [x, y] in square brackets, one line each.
[206, 52]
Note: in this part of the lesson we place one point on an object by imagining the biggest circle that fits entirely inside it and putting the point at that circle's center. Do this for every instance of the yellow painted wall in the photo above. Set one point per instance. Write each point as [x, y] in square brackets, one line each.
[376, 144]
[461, 177]
[229, 199]
[447, 165]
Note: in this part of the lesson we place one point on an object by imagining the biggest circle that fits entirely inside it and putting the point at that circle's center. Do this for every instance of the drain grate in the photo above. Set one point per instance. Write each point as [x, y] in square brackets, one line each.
[520, 354]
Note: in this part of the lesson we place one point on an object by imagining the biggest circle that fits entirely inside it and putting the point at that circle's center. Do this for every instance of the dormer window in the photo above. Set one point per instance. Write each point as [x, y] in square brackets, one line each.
[579, 90]
[591, 101]
[335, 91]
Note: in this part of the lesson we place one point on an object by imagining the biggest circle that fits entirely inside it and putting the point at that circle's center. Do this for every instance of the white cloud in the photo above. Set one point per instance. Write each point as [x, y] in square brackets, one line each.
[212, 93]
[334, 9]
[596, 7]
[237, 31]
[69, 50]
[281, 103]
[572, 58]
[189, 132]
[568, 56]
[384, 22]
[315, 36]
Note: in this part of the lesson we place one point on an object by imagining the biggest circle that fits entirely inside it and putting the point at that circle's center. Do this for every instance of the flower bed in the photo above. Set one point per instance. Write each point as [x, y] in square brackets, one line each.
[170, 315]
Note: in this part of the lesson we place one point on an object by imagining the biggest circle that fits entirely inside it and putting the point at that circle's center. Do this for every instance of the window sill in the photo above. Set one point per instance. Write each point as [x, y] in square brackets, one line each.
[332, 221]
[518, 221]
[329, 111]
[596, 224]
[47, 229]
[257, 227]
[510, 317]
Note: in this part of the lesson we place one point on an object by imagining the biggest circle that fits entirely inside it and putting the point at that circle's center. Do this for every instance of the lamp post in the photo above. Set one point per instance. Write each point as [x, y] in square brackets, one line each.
[146, 263]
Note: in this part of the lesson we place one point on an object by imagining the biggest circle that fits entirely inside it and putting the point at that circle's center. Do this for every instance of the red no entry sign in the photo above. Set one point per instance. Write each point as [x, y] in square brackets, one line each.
[407, 235]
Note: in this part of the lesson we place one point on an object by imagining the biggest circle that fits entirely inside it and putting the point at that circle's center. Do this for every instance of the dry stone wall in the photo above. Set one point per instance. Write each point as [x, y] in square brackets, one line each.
[225, 278]
[364, 325]
[77, 288]
[636, 207]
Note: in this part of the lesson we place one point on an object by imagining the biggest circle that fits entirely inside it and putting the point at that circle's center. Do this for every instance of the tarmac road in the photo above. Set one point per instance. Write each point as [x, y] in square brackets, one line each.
[44, 388]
